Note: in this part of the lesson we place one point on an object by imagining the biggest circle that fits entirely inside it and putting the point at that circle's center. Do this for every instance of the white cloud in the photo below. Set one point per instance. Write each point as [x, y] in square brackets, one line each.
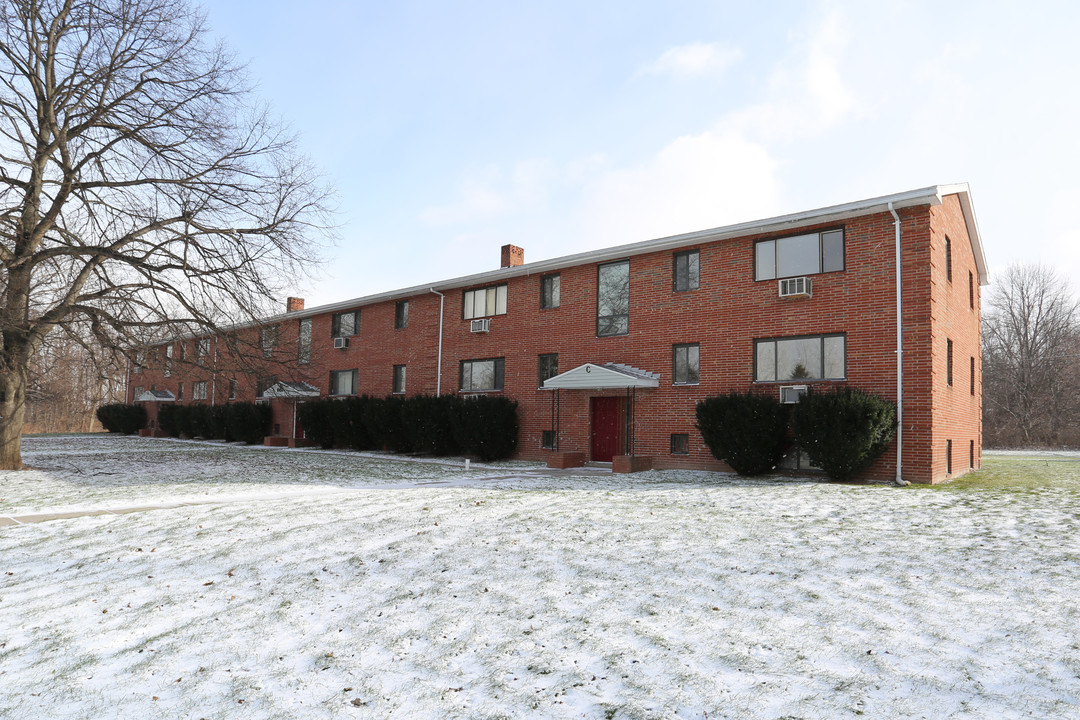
[694, 183]
[488, 192]
[693, 59]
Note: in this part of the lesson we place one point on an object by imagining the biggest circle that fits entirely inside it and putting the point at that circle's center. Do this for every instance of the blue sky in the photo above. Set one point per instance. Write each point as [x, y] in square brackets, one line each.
[450, 129]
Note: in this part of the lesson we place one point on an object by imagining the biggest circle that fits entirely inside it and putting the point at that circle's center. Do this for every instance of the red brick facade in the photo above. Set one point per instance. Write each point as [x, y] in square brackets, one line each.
[942, 270]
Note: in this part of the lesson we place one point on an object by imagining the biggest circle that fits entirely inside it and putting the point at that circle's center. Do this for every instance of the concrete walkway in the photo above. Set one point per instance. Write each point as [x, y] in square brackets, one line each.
[9, 520]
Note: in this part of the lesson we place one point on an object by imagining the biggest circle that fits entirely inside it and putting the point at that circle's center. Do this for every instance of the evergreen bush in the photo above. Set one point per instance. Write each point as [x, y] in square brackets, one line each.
[382, 418]
[428, 423]
[248, 422]
[745, 430]
[486, 427]
[168, 420]
[314, 417]
[122, 418]
[844, 430]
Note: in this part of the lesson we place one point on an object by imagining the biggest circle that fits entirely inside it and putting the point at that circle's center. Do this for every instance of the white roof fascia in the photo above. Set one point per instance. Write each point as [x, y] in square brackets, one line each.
[912, 198]
[597, 377]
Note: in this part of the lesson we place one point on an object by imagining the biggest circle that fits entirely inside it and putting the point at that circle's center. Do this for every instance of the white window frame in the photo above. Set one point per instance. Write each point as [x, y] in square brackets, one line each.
[199, 390]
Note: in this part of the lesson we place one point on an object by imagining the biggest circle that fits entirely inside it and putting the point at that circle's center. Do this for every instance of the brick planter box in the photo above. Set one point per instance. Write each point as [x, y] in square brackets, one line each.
[563, 460]
[630, 463]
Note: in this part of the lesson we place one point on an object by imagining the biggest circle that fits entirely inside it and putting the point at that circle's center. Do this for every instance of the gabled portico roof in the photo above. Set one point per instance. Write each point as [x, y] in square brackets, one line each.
[155, 396]
[286, 389]
[602, 377]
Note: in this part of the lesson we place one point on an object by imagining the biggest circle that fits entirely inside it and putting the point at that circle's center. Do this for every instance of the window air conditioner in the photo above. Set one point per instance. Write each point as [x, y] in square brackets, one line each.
[796, 287]
[340, 343]
[790, 394]
[480, 326]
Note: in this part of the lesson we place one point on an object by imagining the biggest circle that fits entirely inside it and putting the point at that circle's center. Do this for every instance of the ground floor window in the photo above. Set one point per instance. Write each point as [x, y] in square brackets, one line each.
[548, 367]
[680, 444]
[232, 389]
[481, 375]
[948, 457]
[815, 357]
[399, 379]
[686, 364]
[343, 382]
[198, 390]
[180, 391]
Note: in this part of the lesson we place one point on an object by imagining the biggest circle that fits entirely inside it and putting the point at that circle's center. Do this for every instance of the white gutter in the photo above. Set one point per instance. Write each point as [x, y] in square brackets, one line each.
[438, 367]
[899, 357]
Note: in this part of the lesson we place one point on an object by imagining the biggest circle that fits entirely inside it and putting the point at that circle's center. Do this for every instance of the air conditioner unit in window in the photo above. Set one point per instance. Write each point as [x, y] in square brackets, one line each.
[340, 343]
[790, 394]
[796, 287]
[481, 325]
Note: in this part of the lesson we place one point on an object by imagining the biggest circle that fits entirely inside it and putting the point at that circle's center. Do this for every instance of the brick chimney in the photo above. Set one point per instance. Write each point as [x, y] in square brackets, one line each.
[512, 255]
[294, 304]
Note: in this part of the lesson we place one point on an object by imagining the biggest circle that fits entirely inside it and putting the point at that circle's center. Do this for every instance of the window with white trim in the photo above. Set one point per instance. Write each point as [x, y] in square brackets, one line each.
[268, 340]
[199, 390]
[168, 359]
[484, 302]
[482, 375]
[808, 254]
[815, 357]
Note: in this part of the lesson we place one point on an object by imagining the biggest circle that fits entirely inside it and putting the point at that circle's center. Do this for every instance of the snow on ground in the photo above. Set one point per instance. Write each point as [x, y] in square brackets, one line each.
[661, 595]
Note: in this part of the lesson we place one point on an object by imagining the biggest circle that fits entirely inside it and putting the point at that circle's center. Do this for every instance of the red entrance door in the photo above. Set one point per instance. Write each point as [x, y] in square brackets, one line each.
[606, 413]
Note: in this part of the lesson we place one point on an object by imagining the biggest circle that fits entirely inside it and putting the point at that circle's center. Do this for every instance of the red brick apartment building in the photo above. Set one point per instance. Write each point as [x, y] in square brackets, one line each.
[608, 352]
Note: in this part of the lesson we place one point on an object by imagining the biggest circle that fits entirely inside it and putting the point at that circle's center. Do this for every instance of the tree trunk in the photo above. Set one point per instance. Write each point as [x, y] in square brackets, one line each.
[12, 410]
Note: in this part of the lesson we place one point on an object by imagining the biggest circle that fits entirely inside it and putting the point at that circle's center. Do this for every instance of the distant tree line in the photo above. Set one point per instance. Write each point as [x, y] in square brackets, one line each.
[1031, 359]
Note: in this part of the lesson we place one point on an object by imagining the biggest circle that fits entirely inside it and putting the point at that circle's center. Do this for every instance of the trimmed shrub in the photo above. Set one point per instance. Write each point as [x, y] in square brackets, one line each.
[248, 422]
[169, 420]
[314, 417]
[428, 424]
[745, 430]
[219, 423]
[122, 418]
[844, 430]
[200, 422]
[382, 418]
[486, 427]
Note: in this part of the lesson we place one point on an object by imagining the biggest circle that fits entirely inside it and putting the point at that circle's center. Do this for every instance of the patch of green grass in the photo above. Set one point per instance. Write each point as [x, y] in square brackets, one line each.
[1021, 472]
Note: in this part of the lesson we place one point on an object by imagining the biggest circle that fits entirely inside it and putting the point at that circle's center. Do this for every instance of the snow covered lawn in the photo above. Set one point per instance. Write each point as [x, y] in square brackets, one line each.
[318, 585]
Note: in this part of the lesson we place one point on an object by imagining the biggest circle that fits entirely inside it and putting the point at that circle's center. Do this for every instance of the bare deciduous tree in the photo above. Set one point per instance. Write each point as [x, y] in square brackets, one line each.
[140, 187]
[1030, 357]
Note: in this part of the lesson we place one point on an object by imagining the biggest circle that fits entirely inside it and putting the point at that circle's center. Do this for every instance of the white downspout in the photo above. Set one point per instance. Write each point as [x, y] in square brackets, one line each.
[438, 367]
[899, 357]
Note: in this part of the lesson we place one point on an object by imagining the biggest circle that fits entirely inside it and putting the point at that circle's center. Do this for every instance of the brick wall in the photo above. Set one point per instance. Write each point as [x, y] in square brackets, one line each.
[724, 316]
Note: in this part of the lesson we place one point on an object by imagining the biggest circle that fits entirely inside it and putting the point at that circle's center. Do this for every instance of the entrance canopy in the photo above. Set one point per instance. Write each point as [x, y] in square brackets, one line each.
[155, 396]
[290, 390]
[602, 377]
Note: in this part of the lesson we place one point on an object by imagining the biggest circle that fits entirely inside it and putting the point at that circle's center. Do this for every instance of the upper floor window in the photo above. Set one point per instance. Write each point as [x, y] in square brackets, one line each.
[202, 350]
[168, 359]
[345, 324]
[263, 384]
[799, 255]
[971, 290]
[343, 382]
[140, 361]
[948, 362]
[820, 357]
[613, 298]
[686, 270]
[198, 390]
[686, 364]
[399, 380]
[303, 342]
[485, 302]
[479, 375]
[547, 367]
[948, 259]
[401, 315]
[550, 290]
[268, 340]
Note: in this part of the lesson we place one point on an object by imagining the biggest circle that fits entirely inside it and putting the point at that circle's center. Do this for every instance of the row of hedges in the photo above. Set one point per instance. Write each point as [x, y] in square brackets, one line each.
[843, 430]
[122, 418]
[244, 421]
[482, 426]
